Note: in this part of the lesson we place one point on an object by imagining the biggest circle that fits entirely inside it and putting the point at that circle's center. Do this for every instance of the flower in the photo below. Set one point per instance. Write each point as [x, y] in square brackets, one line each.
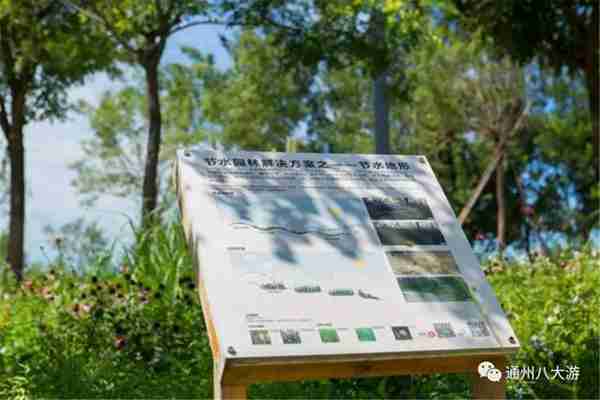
[120, 342]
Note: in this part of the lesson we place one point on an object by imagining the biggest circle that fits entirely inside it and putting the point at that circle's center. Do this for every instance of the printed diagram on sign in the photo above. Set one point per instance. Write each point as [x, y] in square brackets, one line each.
[260, 221]
[326, 274]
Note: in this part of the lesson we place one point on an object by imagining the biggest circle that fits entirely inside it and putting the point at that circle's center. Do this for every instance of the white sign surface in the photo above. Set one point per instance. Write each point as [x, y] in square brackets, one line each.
[323, 254]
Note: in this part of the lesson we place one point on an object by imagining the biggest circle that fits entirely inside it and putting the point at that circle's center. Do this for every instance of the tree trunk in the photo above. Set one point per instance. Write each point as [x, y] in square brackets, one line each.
[150, 186]
[380, 96]
[501, 207]
[16, 234]
[381, 106]
[498, 154]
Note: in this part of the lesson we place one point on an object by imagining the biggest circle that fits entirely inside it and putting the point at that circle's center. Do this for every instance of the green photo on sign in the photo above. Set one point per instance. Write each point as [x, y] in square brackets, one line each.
[434, 289]
[365, 334]
[329, 335]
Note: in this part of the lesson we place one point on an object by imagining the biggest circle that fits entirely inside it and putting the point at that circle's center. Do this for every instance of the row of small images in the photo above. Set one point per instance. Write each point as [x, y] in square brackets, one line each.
[312, 289]
[327, 335]
[330, 335]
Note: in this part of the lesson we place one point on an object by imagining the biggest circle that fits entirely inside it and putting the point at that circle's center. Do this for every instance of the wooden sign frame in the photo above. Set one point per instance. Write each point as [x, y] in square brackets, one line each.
[232, 374]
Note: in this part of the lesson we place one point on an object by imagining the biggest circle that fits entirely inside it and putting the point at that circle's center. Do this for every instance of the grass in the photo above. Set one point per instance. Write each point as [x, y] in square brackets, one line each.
[136, 331]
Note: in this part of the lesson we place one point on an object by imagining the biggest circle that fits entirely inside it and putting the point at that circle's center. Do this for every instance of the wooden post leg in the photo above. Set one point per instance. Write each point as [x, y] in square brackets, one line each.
[226, 391]
[233, 392]
[483, 388]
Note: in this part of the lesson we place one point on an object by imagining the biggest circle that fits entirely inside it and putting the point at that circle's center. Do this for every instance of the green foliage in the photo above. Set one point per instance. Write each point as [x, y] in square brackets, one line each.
[558, 32]
[139, 29]
[45, 49]
[257, 105]
[115, 157]
[131, 334]
[139, 332]
[563, 143]
[339, 32]
[556, 318]
[340, 112]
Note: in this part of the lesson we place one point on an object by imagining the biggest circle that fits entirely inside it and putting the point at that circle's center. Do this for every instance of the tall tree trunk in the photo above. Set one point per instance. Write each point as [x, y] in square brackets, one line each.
[380, 91]
[150, 186]
[16, 151]
[382, 115]
[501, 207]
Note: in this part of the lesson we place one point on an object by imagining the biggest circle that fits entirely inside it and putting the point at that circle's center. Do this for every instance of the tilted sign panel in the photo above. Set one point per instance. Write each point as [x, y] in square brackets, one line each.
[319, 254]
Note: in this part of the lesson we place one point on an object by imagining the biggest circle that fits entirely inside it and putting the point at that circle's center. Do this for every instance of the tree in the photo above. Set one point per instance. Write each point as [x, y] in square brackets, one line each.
[115, 157]
[468, 101]
[340, 105]
[44, 49]
[374, 35]
[257, 104]
[140, 30]
[562, 193]
[560, 34]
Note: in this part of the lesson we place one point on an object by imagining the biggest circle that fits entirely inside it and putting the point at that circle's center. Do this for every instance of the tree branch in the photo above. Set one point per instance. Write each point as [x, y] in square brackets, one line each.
[98, 17]
[195, 23]
[498, 154]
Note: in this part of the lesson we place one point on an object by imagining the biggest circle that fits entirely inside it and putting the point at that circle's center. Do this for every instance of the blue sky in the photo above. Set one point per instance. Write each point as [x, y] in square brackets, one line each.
[51, 147]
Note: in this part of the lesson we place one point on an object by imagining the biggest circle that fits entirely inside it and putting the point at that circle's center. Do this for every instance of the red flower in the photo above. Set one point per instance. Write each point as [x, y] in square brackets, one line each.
[120, 342]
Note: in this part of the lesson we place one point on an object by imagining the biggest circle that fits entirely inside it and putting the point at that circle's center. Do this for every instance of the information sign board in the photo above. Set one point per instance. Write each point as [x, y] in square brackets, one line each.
[327, 255]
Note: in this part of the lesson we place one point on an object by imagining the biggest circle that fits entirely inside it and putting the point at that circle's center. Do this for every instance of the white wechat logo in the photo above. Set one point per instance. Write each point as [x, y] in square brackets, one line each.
[488, 370]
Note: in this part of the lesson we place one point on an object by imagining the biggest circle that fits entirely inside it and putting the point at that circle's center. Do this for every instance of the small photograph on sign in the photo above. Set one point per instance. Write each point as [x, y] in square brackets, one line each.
[401, 333]
[329, 335]
[444, 330]
[397, 208]
[434, 289]
[365, 334]
[424, 233]
[260, 336]
[422, 262]
[478, 328]
[290, 336]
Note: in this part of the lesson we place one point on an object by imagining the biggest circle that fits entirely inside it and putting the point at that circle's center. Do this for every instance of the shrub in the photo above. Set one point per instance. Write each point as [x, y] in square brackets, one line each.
[139, 332]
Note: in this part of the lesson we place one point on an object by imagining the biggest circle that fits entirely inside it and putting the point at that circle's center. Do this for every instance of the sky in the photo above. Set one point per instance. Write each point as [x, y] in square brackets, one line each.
[51, 147]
